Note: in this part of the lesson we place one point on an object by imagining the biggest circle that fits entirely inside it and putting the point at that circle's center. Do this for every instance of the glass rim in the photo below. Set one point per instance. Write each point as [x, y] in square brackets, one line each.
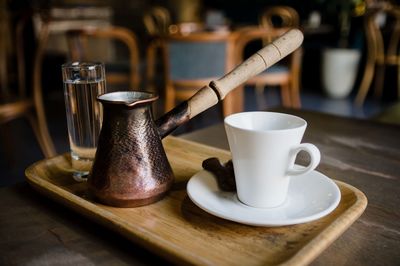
[82, 65]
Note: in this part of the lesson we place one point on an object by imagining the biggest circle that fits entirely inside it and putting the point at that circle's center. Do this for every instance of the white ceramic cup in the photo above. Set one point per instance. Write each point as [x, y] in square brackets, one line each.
[264, 146]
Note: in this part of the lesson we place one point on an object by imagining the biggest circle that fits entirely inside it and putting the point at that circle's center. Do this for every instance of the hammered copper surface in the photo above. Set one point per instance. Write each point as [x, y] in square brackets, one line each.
[130, 168]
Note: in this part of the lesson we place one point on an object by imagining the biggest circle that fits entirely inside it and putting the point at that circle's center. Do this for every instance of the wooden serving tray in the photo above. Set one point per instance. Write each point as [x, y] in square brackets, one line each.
[178, 230]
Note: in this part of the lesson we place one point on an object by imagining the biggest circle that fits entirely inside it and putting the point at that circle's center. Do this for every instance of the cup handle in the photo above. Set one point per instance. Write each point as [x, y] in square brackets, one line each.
[315, 157]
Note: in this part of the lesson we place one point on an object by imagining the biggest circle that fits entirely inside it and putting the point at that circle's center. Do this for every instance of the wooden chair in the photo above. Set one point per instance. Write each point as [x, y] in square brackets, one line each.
[119, 74]
[378, 57]
[19, 103]
[192, 61]
[158, 24]
[273, 22]
[156, 21]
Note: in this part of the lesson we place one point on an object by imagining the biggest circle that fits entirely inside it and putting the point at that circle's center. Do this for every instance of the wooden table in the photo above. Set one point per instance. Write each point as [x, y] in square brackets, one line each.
[35, 230]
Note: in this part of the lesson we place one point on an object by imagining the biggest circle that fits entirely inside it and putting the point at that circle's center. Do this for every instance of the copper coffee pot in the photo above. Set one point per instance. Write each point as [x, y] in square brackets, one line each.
[130, 167]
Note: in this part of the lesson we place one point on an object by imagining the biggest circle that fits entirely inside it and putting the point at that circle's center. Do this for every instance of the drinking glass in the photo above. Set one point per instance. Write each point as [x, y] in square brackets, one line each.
[83, 82]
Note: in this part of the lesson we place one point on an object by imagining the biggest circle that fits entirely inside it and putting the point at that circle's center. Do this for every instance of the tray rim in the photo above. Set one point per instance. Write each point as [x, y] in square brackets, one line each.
[97, 214]
[339, 225]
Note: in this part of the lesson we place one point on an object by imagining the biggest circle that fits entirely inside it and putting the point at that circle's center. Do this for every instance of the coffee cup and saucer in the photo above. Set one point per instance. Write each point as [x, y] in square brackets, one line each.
[271, 189]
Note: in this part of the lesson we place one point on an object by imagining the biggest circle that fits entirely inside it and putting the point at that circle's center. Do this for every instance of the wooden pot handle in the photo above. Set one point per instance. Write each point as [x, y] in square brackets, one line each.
[257, 63]
[217, 90]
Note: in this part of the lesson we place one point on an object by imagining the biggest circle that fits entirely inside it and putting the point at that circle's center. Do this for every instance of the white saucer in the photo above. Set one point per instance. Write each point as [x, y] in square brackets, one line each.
[311, 197]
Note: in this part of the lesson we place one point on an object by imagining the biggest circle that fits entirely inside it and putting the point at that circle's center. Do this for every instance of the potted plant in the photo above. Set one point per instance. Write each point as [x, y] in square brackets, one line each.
[340, 64]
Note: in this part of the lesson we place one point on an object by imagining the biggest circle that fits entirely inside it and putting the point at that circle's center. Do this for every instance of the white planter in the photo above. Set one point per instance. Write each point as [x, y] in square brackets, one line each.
[339, 71]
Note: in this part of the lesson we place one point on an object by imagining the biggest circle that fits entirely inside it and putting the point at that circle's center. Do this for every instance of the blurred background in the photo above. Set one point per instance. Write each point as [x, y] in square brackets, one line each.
[348, 64]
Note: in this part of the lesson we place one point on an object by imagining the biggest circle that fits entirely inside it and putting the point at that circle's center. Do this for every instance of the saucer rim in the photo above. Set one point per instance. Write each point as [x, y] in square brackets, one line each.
[294, 221]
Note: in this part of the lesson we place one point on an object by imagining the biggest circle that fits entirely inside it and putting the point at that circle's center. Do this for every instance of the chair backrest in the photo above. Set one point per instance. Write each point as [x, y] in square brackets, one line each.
[276, 17]
[157, 21]
[5, 49]
[279, 17]
[12, 42]
[21, 102]
[379, 54]
[78, 42]
[197, 56]
[192, 61]
[374, 34]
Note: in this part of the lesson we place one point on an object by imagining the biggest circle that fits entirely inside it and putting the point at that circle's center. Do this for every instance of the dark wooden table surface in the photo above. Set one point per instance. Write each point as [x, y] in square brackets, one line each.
[36, 231]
